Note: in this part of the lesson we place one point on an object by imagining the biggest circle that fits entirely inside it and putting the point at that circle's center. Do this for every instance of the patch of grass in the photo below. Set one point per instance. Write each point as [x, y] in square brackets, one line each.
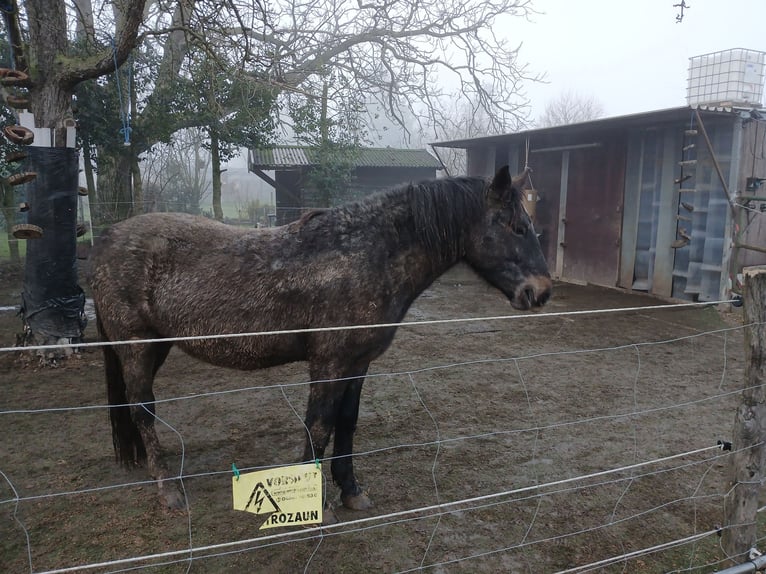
[5, 249]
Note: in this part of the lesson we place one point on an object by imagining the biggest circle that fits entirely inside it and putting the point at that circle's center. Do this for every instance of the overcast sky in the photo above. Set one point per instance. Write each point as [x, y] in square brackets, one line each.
[630, 54]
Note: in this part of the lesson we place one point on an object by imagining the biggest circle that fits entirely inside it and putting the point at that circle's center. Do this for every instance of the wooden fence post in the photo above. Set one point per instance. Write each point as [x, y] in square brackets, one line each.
[747, 461]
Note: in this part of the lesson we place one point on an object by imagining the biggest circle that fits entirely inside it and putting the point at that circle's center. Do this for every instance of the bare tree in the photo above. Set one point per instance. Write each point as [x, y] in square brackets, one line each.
[400, 54]
[470, 120]
[570, 108]
[397, 55]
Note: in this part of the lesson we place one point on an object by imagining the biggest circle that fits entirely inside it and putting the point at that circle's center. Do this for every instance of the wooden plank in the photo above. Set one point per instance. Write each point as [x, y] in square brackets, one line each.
[757, 248]
[746, 470]
[716, 165]
[736, 220]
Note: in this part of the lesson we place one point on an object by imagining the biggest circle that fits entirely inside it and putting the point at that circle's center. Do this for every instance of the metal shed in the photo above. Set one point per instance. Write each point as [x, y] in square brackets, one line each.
[374, 169]
[666, 202]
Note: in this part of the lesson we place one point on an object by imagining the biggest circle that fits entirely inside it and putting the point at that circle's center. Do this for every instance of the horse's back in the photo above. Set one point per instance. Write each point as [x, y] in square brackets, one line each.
[135, 257]
[151, 233]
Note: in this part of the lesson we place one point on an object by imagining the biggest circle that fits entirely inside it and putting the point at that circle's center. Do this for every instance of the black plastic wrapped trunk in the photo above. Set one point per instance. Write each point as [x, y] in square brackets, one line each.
[52, 300]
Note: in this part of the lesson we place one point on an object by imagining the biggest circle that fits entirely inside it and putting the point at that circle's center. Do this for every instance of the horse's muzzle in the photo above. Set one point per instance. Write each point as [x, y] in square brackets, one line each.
[534, 292]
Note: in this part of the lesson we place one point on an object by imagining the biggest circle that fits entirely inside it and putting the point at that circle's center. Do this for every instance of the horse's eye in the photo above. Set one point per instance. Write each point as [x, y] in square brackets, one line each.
[518, 224]
[518, 227]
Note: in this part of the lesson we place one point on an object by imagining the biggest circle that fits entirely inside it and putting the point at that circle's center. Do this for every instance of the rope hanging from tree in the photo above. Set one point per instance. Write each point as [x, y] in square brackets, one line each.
[124, 108]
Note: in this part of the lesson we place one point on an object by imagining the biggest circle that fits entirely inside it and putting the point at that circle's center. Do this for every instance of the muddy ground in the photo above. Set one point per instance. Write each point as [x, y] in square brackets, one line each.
[451, 412]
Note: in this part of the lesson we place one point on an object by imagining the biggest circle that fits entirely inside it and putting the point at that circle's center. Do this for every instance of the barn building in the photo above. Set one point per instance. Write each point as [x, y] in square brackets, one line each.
[373, 169]
[669, 202]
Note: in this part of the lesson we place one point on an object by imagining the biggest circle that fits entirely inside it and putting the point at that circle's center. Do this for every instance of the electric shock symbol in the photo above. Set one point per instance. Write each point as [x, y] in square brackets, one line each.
[258, 497]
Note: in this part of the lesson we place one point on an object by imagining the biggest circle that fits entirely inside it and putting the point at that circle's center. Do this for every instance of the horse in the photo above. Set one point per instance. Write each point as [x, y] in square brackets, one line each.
[166, 275]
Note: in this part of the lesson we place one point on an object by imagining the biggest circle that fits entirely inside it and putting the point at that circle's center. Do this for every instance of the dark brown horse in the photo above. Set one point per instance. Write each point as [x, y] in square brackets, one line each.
[174, 275]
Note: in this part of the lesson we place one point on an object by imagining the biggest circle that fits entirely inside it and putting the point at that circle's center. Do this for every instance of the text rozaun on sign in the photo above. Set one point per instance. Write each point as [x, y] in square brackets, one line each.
[289, 495]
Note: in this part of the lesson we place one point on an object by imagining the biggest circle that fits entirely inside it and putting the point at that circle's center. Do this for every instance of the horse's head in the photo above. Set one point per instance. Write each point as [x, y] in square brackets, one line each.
[503, 247]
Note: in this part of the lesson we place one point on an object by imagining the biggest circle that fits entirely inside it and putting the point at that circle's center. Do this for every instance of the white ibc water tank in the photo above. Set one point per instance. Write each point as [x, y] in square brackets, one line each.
[730, 77]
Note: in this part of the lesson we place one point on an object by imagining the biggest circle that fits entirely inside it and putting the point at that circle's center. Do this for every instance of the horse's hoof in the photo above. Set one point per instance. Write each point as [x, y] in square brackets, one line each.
[171, 497]
[357, 501]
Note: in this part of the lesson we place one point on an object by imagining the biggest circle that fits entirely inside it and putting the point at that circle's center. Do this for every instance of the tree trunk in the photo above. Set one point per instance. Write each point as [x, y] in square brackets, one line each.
[114, 195]
[747, 461]
[90, 182]
[216, 171]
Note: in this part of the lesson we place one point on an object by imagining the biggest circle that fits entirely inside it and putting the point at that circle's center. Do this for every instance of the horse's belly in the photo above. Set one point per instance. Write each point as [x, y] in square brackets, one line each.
[247, 353]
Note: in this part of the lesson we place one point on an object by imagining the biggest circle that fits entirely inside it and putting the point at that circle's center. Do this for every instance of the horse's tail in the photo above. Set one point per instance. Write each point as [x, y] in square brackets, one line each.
[128, 445]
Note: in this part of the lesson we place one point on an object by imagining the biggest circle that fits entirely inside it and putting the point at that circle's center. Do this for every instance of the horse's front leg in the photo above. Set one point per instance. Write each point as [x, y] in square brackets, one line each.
[352, 495]
[334, 405]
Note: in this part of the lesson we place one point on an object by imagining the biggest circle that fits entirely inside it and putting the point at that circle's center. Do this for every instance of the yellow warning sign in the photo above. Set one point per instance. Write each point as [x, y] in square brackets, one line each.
[290, 495]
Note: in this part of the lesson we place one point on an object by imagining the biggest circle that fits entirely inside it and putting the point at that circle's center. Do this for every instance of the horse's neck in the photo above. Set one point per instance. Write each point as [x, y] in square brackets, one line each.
[420, 260]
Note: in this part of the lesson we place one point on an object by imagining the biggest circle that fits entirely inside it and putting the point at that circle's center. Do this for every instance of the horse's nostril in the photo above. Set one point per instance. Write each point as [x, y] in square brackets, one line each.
[529, 295]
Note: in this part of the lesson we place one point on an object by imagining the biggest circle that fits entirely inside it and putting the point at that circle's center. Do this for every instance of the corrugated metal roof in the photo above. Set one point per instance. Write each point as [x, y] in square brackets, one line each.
[616, 122]
[300, 156]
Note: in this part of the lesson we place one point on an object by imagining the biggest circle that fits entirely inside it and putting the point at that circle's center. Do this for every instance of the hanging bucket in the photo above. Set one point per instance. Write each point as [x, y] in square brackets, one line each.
[530, 202]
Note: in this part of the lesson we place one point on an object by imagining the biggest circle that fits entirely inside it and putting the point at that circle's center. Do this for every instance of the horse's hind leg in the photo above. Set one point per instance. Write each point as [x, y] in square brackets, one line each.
[140, 363]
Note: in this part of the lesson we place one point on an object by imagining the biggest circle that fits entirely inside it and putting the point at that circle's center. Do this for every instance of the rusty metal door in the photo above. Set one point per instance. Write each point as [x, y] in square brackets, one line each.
[593, 217]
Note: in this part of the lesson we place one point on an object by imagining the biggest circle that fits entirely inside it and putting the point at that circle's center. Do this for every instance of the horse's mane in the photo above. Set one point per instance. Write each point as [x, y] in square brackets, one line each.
[443, 209]
[434, 212]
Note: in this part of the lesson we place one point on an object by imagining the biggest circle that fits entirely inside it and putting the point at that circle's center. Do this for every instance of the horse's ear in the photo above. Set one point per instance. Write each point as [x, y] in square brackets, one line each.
[503, 184]
[502, 179]
[500, 186]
